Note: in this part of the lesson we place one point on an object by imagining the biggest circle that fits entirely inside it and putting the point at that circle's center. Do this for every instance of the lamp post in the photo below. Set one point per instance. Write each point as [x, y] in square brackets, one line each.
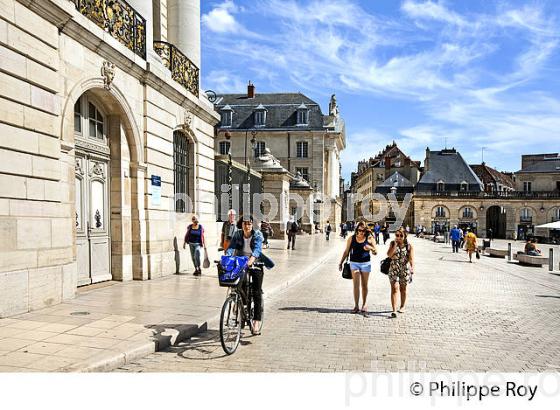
[230, 176]
[247, 162]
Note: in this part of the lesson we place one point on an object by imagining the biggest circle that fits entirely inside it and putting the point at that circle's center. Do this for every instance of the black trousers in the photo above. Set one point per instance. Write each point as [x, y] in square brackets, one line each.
[455, 245]
[257, 278]
[291, 239]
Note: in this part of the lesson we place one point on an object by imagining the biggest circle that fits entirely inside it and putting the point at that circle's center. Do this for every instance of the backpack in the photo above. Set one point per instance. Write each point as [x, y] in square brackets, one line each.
[294, 227]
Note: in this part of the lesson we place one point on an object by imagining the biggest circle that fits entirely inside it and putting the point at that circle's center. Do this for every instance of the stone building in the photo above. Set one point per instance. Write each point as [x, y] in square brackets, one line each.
[492, 179]
[471, 204]
[539, 173]
[102, 124]
[378, 175]
[297, 133]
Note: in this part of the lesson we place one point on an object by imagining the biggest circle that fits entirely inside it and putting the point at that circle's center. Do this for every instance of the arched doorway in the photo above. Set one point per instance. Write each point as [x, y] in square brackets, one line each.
[109, 183]
[496, 217]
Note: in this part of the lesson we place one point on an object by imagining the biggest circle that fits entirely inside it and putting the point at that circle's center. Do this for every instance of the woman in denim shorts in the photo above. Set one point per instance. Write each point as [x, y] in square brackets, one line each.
[359, 246]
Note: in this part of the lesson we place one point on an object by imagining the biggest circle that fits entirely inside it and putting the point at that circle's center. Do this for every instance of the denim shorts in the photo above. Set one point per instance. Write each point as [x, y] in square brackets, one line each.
[361, 266]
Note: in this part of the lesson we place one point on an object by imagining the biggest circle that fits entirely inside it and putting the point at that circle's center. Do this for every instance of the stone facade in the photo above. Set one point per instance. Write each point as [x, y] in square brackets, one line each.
[520, 214]
[324, 136]
[52, 57]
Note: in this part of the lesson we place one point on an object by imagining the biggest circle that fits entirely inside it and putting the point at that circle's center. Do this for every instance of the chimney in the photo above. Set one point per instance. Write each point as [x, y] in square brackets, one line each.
[427, 160]
[250, 90]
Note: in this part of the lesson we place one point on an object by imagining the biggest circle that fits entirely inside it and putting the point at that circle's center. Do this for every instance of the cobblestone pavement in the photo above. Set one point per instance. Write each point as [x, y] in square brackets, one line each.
[487, 316]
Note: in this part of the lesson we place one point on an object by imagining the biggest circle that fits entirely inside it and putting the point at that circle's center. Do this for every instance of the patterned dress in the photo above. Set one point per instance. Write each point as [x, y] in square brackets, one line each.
[398, 270]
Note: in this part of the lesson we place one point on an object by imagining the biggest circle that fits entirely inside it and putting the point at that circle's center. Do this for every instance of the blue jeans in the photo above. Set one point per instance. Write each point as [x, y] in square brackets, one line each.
[455, 243]
[196, 251]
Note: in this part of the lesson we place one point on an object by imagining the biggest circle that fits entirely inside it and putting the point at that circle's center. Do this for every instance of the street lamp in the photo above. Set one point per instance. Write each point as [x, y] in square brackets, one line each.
[230, 176]
[247, 162]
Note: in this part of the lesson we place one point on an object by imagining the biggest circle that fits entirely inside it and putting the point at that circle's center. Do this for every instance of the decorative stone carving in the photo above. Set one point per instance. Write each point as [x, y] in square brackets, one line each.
[108, 74]
[333, 106]
[97, 170]
[78, 167]
[187, 121]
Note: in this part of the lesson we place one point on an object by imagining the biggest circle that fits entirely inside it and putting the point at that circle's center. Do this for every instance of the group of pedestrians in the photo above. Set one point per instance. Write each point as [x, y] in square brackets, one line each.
[469, 240]
[359, 248]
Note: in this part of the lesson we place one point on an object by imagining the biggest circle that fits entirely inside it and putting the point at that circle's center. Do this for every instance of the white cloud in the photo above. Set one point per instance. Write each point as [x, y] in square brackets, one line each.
[223, 81]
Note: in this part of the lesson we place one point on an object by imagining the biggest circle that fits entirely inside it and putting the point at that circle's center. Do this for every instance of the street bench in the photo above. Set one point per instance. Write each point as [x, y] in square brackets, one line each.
[497, 253]
[439, 239]
[532, 260]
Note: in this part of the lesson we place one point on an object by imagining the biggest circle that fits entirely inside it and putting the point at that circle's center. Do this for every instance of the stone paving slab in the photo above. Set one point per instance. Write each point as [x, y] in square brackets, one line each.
[484, 316]
[111, 324]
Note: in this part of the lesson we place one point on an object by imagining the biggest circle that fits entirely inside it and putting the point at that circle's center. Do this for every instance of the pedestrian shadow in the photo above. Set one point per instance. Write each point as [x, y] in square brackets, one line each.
[330, 310]
[548, 296]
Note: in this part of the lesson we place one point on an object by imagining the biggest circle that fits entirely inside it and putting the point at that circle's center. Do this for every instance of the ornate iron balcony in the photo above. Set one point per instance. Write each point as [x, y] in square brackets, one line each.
[182, 69]
[119, 19]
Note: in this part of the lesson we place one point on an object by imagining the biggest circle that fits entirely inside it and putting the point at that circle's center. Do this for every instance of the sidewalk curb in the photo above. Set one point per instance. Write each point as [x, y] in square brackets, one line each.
[162, 340]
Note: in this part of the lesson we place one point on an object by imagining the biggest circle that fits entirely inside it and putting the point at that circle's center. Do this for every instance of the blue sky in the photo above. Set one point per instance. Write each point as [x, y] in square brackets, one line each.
[474, 73]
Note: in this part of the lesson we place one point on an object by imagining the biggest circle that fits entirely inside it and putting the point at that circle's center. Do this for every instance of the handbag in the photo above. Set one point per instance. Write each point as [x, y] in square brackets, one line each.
[477, 254]
[385, 265]
[206, 263]
[346, 271]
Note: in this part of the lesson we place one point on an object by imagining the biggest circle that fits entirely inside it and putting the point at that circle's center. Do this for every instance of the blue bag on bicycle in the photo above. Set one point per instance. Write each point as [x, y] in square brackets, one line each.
[232, 269]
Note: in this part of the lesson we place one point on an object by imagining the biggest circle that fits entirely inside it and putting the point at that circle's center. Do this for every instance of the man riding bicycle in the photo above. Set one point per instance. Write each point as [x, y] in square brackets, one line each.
[248, 242]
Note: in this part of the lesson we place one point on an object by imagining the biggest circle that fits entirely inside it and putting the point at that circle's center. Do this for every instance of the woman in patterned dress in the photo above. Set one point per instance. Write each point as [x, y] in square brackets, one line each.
[400, 274]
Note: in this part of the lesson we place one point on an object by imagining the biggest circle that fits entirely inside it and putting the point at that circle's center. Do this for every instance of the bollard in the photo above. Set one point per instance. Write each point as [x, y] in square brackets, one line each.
[509, 251]
[551, 260]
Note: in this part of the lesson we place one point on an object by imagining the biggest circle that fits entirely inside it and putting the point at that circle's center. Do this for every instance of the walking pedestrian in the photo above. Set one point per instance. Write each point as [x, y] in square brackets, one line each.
[267, 231]
[328, 230]
[228, 230]
[490, 234]
[445, 234]
[385, 232]
[455, 235]
[401, 268]
[292, 228]
[471, 243]
[359, 246]
[195, 238]
[376, 231]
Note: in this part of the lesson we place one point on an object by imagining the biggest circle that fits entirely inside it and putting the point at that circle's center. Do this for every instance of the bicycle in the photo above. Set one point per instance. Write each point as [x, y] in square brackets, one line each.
[238, 309]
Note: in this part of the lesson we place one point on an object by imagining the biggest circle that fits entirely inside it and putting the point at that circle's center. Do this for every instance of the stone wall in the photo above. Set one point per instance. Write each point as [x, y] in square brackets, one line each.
[50, 55]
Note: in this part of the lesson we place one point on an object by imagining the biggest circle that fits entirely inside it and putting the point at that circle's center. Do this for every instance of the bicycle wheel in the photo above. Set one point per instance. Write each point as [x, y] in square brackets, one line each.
[230, 323]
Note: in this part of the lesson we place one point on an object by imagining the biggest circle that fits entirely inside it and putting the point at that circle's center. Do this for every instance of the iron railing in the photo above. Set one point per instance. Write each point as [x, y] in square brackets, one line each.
[119, 19]
[493, 195]
[182, 69]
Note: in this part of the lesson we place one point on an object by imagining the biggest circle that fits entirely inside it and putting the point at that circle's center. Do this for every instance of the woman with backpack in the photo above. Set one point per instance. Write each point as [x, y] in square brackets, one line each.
[401, 268]
[359, 246]
[195, 238]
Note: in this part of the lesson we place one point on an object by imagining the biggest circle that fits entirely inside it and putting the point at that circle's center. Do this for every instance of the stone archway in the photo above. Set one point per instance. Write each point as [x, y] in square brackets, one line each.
[125, 169]
[496, 220]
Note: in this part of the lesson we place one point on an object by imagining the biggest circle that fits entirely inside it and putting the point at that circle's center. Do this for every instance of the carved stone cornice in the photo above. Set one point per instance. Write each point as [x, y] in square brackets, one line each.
[89, 146]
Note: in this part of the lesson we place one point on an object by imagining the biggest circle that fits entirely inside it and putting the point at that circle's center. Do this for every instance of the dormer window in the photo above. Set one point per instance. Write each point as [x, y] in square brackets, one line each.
[260, 116]
[464, 186]
[302, 115]
[440, 186]
[227, 116]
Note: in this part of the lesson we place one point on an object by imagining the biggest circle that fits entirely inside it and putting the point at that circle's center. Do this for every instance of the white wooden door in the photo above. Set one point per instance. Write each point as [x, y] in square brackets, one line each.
[92, 219]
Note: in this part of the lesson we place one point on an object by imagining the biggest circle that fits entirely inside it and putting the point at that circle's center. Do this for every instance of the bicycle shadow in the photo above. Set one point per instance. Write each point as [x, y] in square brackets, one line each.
[206, 346]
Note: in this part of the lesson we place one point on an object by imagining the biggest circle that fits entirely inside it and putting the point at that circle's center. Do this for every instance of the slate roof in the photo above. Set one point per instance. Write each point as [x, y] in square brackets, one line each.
[545, 165]
[450, 167]
[281, 110]
[396, 180]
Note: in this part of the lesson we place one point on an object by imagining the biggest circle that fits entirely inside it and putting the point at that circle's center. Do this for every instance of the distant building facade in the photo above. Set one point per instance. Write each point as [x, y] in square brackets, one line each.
[298, 135]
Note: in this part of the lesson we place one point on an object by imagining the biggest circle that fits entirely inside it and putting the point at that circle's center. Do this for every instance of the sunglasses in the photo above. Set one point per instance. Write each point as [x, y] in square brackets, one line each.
[361, 230]
[399, 236]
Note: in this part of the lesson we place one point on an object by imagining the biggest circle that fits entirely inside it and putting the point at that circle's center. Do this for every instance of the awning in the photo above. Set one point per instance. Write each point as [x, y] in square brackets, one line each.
[551, 225]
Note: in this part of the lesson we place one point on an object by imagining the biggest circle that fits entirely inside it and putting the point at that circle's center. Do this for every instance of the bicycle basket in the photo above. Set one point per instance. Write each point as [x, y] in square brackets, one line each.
[231, 270]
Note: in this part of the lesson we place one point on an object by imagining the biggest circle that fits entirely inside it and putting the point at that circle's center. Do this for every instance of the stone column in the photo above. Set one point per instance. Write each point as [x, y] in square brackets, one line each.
[183, 19]
[277, 183]
[139, 235]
